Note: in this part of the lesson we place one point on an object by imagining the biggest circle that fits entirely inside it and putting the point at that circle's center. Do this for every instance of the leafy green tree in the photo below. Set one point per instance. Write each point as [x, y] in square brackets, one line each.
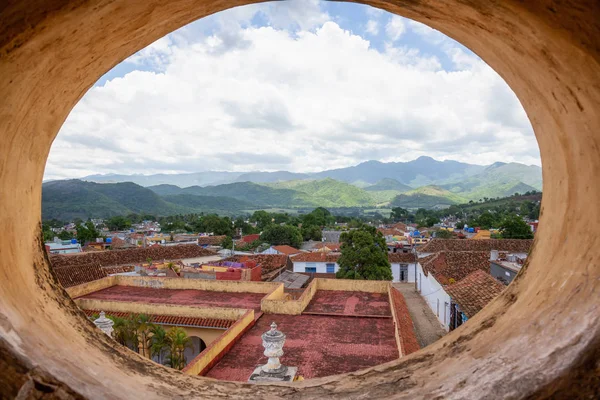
[311, 232]
[65, 235]
[318, 217]
[282, 234]
[118, 223]
[364, 255]
[443, 234]
[486, 220]
[227, 243]
[513, 227]
[158, 342]
[87, 232]
[215, 224]
[177, 341]
[262, 219]
[246, 228]
[47, 233]
[399, 213]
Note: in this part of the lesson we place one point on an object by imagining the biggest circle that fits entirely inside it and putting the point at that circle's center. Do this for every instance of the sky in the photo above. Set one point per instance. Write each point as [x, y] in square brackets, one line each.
[299, 85]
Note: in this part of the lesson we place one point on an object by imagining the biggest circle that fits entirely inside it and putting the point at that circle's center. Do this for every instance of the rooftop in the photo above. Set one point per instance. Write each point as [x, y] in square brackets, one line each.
[474, 292]
[287, 250]
[401, 258]
[510, 245]
[211, 240]
[214, 323]
[318, 345]
[349, 303]
[316, 257]
[292, 280]
[187, 297]
[129, 256]
[456, 265]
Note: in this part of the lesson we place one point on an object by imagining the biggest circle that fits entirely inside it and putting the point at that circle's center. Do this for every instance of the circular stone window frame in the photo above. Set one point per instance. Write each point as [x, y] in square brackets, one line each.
[539, 339]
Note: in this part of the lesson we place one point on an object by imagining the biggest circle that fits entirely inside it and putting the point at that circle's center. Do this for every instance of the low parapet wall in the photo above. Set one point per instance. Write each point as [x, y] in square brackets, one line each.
[404, 329]
[161, 309]
[352, 285]
[90, 287]
[276, 302]
[198, 284]
[217, 349]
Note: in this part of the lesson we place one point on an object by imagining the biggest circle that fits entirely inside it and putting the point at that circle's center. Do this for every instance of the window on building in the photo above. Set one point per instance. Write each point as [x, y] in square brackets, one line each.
[330, 268]
[310, 268]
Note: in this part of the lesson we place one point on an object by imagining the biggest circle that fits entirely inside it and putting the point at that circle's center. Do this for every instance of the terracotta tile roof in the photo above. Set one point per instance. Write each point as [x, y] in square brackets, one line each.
[474, 292]
[129, 256]
[267, 262]
[250, 238]
[173, 319]
[287, 250]
[79, 274]
[455, 265]
[401, 258]
[211, 240]
[390, 232]
[510, 245]
[330, 245]
[118, 269]
[406, 328]
[316, 257]
[400, 226]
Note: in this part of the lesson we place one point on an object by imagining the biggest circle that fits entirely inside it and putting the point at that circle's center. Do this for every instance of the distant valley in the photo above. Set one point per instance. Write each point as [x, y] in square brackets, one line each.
[423, 182]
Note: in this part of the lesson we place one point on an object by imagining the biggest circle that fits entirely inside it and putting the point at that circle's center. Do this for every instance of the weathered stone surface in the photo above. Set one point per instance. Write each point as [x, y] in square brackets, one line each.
[539, 339]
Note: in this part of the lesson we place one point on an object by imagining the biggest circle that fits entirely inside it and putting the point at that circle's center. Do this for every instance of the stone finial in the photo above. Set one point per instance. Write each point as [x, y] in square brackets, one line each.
[105, 324]
[273, 341]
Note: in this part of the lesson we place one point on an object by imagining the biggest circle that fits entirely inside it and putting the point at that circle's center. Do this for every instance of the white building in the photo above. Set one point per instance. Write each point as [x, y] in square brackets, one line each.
[438, 271]
[317, 262]
[63, 246]
[404, 267]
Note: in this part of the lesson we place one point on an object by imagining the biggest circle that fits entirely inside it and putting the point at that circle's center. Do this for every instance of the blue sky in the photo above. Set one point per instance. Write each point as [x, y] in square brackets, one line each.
[298, 85]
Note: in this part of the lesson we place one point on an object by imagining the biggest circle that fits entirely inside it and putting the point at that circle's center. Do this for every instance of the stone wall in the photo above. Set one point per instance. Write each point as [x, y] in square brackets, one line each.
[218, 348]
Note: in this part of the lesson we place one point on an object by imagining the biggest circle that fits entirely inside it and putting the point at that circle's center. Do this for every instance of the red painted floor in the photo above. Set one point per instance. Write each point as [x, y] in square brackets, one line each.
[319, 345]
[349, 303]
[179, 296]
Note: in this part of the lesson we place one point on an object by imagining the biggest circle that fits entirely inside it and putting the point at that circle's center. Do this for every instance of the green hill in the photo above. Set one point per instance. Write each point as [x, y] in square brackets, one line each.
[208, 202]
[331, 193]
[66, 200]
[259, 195]
[388, 184]
[427, 197]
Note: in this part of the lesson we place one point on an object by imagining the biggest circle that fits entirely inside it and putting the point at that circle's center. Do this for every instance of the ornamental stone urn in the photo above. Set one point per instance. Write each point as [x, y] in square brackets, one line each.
[105, 324]
[273, 371]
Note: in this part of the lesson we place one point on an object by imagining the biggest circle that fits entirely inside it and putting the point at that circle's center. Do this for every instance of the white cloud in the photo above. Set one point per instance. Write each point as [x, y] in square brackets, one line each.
[395, 28]
[372, 27]
[269, 99]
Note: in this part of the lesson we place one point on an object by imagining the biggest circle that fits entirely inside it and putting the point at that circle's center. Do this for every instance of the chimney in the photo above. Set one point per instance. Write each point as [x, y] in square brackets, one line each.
[493, 255]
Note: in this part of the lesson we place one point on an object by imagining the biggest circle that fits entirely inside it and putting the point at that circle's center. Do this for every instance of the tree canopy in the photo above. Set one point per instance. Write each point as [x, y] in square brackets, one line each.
[364, 255]
[282, 234]
[513, 227]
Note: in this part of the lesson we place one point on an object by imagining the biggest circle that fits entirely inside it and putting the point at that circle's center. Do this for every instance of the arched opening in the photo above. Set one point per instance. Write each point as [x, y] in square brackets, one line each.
[548, 54]
[197, 346]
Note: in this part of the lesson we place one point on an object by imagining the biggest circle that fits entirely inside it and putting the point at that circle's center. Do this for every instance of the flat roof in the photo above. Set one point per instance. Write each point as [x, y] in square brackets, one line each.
[349, 303]
[187, 297]
[319, 345]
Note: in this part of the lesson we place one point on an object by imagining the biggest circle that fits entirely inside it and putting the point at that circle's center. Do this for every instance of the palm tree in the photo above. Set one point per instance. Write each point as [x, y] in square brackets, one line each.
[178, 341]
[159, 341]
[144, 327]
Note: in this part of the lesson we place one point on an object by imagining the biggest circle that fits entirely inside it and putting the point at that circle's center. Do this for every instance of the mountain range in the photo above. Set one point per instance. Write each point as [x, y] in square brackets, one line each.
[423, 182]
